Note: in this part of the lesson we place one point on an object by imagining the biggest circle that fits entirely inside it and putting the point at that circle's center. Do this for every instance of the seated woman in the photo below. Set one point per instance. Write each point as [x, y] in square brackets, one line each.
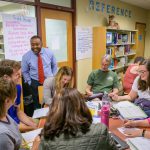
[69, 125]
[137, 123]
[130, 74]
[9, 132]
[140, 88]
[52, 85]
[25, 123]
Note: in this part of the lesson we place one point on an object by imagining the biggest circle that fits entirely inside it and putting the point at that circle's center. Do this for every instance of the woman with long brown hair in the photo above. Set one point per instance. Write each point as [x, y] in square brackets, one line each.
[69, 125]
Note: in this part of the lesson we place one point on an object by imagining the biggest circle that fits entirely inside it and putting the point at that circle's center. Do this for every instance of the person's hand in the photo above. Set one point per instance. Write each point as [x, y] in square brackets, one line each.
[133, 133]
[36, 143]
[89, 93]
[130, 123]
[114, 96]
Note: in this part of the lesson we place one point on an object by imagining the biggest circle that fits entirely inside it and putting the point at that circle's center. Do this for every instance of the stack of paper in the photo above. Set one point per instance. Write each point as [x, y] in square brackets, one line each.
[139, 143]
[39, 113]
[129, 110]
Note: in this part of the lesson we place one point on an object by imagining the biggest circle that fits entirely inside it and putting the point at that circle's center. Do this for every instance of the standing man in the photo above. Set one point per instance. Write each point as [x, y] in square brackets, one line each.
[38, 64]
[102, 80]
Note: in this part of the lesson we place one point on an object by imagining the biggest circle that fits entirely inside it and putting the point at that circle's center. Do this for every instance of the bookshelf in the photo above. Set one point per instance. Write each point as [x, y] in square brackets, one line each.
[120, 44]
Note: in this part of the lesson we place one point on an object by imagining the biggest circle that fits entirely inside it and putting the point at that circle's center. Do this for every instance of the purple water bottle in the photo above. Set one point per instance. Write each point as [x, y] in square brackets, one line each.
[105, 110]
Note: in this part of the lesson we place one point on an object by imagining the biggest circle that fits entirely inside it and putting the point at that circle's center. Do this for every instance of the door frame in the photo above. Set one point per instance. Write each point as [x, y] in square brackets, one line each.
[72, 10]
[138, 33]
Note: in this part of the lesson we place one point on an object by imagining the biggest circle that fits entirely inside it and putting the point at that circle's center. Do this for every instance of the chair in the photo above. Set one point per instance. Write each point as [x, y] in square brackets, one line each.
[40, 91]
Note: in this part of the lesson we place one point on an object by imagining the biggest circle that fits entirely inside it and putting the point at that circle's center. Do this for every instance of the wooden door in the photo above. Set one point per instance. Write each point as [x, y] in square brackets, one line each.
[141, 27]
[64, 48]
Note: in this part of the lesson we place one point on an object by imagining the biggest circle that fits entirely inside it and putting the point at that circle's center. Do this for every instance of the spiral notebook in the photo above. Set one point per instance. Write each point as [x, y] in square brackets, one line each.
[129, 110]
[139, 143]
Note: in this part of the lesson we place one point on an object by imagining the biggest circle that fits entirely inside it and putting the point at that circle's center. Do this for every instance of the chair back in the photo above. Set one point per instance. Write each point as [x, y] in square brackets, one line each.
[40, 91]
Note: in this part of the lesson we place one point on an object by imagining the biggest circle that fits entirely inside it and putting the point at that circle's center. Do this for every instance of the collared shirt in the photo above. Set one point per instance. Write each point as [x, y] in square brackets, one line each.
[30, 64]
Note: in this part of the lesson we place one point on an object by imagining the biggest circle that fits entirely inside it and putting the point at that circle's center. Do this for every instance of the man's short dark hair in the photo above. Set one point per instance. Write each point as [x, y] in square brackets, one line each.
[35, 37]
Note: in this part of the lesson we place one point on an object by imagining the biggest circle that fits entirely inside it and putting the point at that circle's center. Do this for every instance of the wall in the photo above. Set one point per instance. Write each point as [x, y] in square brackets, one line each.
[86, 17]
[147, 40]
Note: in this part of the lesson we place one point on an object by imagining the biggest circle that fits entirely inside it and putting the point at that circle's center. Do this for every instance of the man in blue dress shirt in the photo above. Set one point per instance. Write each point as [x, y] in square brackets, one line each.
[30, 66]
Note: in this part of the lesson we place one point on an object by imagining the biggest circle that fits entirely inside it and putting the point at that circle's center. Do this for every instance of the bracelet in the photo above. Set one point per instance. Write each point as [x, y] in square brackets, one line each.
[143, 132]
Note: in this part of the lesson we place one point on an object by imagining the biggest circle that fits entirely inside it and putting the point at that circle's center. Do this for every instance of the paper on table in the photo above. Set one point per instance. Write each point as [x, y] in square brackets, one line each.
[30, 136]
[140, 143]
[96, 119]
[39, 113]
[122, 129]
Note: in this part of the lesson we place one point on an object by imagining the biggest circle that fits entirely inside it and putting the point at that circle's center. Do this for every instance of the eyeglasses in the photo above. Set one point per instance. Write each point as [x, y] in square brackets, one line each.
[142, 71]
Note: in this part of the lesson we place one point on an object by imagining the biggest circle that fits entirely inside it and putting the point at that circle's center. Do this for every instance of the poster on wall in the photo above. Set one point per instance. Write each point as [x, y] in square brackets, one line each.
[84, 42]
[17, 32]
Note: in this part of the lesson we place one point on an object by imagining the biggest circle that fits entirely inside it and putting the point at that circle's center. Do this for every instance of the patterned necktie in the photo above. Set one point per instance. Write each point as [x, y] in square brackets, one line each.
[40, 69]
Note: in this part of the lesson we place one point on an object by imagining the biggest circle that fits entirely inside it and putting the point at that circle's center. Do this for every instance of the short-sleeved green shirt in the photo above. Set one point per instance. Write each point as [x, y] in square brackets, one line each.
[102, 81]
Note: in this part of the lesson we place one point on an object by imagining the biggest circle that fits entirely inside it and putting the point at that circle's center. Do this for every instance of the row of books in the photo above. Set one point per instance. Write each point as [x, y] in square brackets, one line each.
[118, 63]
[119, 38]
[116, 51]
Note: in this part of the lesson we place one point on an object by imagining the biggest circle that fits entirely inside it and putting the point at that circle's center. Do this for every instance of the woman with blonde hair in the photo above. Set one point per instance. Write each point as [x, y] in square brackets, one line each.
[69, 125]
[52, 85]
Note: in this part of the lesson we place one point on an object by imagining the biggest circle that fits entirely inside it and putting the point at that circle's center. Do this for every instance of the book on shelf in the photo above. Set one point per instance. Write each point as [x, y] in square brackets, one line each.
[124, 38]
[111, 51]
[132, 37]
[115, 63]
[123, 61]
[111, 66]
[109, 38]
[119, 51]
[119, 39]
[114, 37]
[127, 49]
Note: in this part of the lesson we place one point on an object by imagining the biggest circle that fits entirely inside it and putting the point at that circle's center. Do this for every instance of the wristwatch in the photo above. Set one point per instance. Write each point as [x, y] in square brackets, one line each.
[143, 132]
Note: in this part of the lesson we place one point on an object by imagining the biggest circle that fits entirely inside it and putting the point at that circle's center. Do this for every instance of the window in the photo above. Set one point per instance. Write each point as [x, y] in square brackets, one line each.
[65, 3]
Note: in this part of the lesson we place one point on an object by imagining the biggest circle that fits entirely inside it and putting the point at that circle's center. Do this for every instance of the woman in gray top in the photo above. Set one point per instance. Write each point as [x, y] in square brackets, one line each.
[10, 137]
[52, 85]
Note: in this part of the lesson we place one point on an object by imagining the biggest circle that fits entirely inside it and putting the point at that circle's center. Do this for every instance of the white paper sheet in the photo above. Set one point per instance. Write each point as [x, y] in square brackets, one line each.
[39, 113]
[30, 136]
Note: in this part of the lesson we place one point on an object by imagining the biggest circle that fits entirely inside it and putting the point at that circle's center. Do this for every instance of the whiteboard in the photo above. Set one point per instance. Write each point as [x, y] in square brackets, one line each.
[17, 32]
